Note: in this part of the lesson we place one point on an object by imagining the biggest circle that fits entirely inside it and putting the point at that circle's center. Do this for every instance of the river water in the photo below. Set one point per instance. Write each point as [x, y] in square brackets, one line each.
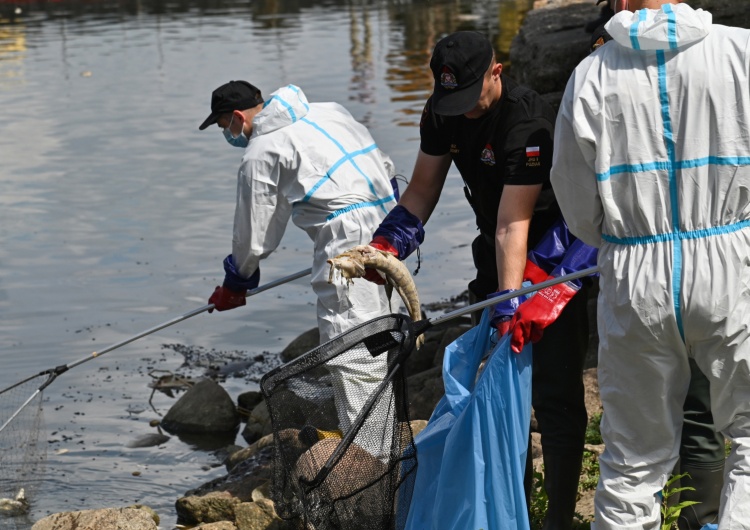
[115, 211]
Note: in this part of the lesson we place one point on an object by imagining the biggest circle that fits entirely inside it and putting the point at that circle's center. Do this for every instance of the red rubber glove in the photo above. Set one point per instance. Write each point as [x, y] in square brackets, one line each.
[380, 243]
[503, 326]
[224, 299]
[537, 313]
[534, 273]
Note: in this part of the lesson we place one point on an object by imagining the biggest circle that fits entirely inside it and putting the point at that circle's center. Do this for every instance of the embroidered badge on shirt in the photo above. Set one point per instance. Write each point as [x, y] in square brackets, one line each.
[532, 156]
[488, 155]
[448, 79]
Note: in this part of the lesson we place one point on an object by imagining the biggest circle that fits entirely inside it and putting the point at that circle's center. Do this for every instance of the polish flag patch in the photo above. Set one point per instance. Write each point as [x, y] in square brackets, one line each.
[532, 151]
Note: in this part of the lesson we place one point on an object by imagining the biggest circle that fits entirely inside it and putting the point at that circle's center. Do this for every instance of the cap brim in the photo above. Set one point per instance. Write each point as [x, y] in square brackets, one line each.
[209, 121]
[454, 103]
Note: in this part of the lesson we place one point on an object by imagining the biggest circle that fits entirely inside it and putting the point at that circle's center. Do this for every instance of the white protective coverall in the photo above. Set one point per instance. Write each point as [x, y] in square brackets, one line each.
[315, 163]
[652, 165]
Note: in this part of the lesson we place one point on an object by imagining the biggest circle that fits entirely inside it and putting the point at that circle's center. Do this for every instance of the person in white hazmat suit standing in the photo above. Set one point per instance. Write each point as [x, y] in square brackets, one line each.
[313, 163]
[652, 165]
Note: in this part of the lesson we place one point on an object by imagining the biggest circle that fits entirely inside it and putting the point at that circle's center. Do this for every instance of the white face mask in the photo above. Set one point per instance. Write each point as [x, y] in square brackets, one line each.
[237, 141]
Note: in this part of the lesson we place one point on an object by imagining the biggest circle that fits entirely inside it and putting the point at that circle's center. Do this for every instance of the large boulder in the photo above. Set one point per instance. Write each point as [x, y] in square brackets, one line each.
[131, 518]
[210, 508]
[204, 409]
[552, 40]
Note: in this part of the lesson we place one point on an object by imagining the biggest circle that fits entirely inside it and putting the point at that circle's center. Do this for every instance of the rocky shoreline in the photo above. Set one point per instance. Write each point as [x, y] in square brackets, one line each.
[549, 45]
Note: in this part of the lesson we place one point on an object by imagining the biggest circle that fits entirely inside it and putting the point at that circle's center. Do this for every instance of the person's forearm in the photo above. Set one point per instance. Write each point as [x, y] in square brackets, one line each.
[421, 195]
[510, 252]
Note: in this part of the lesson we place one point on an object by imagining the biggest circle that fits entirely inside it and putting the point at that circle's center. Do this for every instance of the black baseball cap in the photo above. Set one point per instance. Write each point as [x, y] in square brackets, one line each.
[458, 65]
[235, 95]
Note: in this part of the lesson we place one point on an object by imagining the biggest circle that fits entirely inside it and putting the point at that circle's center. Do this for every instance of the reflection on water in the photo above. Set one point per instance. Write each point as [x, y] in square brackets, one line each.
[115, 211]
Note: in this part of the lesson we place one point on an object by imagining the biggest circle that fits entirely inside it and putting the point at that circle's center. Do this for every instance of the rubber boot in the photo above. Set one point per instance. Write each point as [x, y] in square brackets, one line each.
[707, 482]
[561, 475]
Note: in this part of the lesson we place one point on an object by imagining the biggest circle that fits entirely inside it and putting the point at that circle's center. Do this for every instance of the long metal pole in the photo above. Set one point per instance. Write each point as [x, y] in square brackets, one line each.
[189, 314]
[520, 292]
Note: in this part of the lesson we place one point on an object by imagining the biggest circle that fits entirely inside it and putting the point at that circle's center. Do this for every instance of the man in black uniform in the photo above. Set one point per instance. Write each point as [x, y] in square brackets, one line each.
[499, 135]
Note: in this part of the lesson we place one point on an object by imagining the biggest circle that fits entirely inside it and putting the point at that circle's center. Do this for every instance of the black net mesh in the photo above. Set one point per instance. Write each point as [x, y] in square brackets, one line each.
[344, 451]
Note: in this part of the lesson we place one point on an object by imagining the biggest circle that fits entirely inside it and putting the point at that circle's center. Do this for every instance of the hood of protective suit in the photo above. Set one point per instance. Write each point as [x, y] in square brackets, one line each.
[671, 27]
[285, 106]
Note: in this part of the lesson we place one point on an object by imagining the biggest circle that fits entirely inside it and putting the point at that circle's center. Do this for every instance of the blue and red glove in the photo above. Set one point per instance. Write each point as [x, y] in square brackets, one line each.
[502, 312]
[400, 233]
[542, 309]
[402, 230]
[234, 290]
[549, 252]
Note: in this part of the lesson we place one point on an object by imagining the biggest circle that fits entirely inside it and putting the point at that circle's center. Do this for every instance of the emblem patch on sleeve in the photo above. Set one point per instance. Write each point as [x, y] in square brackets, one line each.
[532, 156]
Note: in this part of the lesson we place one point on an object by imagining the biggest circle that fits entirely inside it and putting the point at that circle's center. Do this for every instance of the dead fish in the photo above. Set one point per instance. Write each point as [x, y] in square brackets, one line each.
[16, 506]
[352, 263]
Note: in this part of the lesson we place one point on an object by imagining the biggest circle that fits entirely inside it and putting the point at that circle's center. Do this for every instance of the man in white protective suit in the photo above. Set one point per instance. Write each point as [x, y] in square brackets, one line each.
[313, 163]
[652, 165]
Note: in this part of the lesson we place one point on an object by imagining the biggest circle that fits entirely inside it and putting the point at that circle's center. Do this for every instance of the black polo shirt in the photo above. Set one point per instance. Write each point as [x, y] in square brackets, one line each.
[511, 144]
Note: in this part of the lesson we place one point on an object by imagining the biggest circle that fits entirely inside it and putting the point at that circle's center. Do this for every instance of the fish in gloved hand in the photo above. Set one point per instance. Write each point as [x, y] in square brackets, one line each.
[354, 262]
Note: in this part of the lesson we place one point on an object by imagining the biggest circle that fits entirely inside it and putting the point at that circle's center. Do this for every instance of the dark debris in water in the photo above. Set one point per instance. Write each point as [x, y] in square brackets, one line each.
[454, 302]
[221, 365]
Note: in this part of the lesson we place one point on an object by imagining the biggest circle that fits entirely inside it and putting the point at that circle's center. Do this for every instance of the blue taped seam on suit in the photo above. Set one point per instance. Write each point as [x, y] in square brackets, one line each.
[671, 26]
[348, 157]
[669, 137]
[359, 205]
[634, 29]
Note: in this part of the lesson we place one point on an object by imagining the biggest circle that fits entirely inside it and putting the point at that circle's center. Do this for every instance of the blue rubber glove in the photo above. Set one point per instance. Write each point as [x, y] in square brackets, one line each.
[234, 281]
[502, 312]
[402, 230]
[549, 252]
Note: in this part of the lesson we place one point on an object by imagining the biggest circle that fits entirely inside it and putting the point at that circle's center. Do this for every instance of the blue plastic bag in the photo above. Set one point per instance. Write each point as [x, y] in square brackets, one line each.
[472, 454]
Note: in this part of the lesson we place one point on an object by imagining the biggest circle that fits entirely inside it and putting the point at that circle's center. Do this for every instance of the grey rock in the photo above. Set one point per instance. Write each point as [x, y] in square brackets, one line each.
[105, 519]
[248, 452]
[260, 515]
[552, 41]
[209, 508]
[550, 44]
[247, 401]
[450, 335]
[221, 525]
[148, 440]
[304, 343]
[204, 408]
[425, 390]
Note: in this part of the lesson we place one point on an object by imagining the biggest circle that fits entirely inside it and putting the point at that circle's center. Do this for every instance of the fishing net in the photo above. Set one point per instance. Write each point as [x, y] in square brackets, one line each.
[360, 477]
[22, 454]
